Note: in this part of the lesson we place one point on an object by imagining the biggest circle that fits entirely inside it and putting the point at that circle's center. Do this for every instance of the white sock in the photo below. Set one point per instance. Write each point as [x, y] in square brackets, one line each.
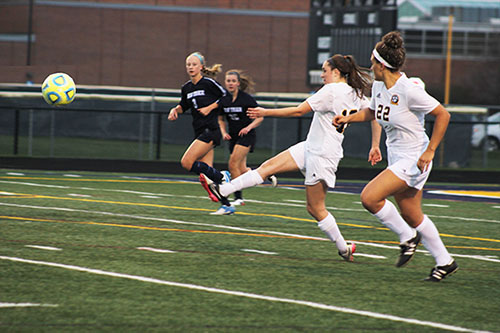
[433, 243]
[389, 216]
[329, 226]
[248, 179]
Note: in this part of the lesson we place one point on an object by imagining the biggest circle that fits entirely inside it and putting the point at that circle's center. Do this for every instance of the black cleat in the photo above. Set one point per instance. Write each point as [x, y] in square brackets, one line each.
[408, 250]
[440, 272]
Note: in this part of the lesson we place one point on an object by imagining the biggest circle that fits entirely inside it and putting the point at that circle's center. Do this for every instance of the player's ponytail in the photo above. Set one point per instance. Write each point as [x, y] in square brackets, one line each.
[211, 71]
[246, 82]
[356, 76]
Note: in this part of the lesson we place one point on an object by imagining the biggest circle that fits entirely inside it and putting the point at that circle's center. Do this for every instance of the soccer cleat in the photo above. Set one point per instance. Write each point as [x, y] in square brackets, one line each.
[348, 255]
[226, 176]
[238, 202]
[205, 182]
[214, 189]
[440, 272]
[273, 180]
[224, 210]
[408, 250]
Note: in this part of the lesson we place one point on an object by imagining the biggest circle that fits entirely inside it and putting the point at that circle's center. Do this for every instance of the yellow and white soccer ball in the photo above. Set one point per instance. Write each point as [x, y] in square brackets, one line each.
[58, 89]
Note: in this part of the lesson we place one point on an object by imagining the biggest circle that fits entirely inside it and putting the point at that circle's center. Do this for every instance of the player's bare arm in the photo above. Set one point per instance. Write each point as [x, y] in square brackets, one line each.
[294, 111]
[254, 124]
[438, 131]
[174, 113]
[207, 109]
[363, 115]
[375, 155]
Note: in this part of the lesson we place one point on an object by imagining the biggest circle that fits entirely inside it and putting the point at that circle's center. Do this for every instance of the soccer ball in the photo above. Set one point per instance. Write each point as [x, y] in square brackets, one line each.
[58, 89]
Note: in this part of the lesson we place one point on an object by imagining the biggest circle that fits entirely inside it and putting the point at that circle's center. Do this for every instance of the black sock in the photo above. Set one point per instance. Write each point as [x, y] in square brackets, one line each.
[212, 173]
[225, 201]
[238, 195]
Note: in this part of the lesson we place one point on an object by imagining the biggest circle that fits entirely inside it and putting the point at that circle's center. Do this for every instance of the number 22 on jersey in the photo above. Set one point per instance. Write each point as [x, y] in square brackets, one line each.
[382, 112]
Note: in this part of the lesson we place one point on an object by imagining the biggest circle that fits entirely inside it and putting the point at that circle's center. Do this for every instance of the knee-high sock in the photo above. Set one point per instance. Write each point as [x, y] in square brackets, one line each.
[329, 226]
[212, 173]
[433, 243]
[248, 179]
[389, 216]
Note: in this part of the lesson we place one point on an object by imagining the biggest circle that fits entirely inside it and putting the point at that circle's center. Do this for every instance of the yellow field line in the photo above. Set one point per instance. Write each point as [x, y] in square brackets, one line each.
[100, 180]
[211, 232]
[152, 228]
[239, 213]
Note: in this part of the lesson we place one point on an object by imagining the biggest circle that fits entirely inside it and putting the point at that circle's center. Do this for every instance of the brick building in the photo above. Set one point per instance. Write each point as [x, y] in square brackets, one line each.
[145, 43]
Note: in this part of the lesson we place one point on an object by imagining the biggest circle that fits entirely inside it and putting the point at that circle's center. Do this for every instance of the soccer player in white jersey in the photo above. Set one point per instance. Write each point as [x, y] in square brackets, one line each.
[319, 155]
[399, 106]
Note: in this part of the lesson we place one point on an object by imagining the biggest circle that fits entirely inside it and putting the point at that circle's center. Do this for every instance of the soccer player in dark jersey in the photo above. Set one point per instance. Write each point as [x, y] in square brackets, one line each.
[236, 126]
[202, 94]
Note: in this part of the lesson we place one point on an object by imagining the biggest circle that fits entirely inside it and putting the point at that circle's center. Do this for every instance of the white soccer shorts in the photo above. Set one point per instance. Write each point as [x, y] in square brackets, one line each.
[404, 166]
[314, 167]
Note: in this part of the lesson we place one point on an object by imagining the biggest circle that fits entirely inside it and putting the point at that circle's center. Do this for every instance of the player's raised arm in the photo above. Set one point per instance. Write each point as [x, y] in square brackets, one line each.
[294, 111]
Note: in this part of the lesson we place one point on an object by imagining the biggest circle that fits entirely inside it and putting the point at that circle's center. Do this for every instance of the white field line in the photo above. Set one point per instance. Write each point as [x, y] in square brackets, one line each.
[108, 190]
[152, 249]
[373, 256]
[23, 305]
[259, 251]
[249, 200]
[246, 295]
[40, 247]
[485, 258]
[435, 205]
[32, 184]
[167, 220]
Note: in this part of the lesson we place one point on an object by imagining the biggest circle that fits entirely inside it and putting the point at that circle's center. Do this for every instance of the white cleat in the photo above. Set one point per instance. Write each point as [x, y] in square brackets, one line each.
[224, 210]
[273, 179]
[238, 202]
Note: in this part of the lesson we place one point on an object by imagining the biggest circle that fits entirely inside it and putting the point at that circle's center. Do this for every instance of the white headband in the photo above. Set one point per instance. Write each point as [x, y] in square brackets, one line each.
[382, 60]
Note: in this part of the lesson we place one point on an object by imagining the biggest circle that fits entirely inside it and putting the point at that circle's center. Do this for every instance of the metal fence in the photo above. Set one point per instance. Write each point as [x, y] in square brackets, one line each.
[136, 128]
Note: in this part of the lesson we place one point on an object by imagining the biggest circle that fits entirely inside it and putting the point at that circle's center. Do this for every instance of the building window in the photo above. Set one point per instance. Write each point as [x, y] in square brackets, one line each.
[464, 43]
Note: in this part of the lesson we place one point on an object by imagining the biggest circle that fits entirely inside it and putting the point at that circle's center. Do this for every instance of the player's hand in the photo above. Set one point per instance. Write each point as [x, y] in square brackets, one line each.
[425, 160]
[374, 156]
[204, 111]
[173, 115]
[339, 120]
[244, 131]
[226, 136]
[257, 112]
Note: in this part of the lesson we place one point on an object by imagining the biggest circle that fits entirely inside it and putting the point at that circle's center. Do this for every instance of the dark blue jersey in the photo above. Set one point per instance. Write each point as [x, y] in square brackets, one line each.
[199, 95]
[236, 112]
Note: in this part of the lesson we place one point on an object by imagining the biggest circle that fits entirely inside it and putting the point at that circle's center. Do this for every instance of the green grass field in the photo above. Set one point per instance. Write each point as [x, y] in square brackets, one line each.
[110, 252]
